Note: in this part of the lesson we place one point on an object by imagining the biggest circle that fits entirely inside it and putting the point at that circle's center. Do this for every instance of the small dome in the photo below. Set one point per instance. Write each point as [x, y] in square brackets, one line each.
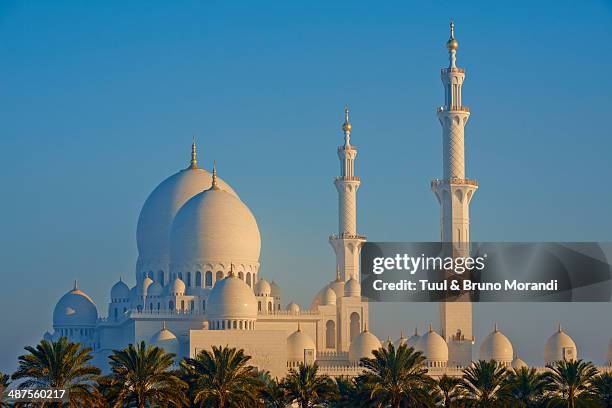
[214, 226]
[496, 346]
[518, 363]
[352, 288]
[362, 346]
[177, 287]
[338, 288]
[293, 308]
[75, 309]
[434, 347]
[275, 290]
[166, 339]
[560, 346]
[329, 297]
[402, 340]
[231, 298]
[414, 339]
[120, 291]
[263, 288]
[297, 343]
[155, 289]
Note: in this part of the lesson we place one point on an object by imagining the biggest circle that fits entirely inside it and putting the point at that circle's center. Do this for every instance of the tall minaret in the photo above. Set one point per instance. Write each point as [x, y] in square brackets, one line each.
[347, 243]
[454, 193]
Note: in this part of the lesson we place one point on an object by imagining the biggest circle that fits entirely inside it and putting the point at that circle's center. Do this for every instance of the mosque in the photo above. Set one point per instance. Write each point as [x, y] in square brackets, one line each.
[198, 282]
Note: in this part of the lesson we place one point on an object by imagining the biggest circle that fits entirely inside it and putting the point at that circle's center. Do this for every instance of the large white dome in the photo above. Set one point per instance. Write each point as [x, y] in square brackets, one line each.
[75, 309]
[159, 210]
[231, 299]
[496, 346]
[362, 346]
[558, 347]
[214, 227]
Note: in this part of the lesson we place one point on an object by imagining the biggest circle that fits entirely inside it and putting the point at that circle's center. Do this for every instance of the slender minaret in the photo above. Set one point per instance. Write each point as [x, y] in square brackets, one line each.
[347, 243]
[454, 193]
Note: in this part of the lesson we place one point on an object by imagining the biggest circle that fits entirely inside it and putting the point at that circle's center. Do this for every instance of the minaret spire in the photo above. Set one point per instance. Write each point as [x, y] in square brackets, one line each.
[214, 185]
[346, 127]
[194, 160]
[454, 193]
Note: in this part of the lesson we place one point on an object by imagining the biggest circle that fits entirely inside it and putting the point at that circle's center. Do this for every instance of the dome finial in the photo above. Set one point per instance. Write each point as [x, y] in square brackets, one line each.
[194, 160]
[214, 185]
[559, 328]
[76, 285]
[430, 327]
[402, 334]
[164, 325]
[299, 327]
[416, 330]
[231, 271]
[365, 327]
[495, 328]
[337, 273]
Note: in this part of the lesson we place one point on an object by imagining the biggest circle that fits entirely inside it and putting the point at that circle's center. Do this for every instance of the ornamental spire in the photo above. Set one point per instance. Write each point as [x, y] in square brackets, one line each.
[346, 127]
[452, 44]
[194, 160]
[214, 177]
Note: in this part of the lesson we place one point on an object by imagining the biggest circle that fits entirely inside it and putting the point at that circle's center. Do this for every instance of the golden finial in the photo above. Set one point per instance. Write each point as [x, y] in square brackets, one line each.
[402, 334]
[164, 326]
[346, 126]
[231, 271]
[214, 185]
[194, 161]
[452, 44]
[416, 330]
[365, 327]
[495, 328]
[337, 273]
[430, 327]
[299, 327]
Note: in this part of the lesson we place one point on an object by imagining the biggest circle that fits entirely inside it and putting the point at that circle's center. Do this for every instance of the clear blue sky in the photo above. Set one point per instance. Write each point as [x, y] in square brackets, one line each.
[99, 100]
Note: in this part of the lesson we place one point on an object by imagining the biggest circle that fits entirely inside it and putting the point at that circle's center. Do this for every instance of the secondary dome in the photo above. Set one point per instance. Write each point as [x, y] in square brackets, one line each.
[363, 345]
[352, 288]
[275, 290]
[231, 299]
[166, 339]
[559, 346]
[496, 346]
[177, 287]
[297, 343]
[434, 348]
[518, 363]
[262, 288]
[120, 291]
[75, 309]
[214, 226]
[337, 285]
[329, 297]
[160, 208]
[293, 308]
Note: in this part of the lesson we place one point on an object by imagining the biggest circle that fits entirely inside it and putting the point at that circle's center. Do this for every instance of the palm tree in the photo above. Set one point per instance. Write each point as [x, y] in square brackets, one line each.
[602, 387]
[483, 383]
[449, 391]
[222, 378]
[142, 375]
[4, 383]
[572, 381]
[525, 387]
[271, 394]
[397, 377]
[60, 364]
[306, 387]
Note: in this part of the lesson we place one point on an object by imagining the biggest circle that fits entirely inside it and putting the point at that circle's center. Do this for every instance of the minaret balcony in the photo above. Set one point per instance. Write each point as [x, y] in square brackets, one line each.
[345, 235]
[454, 180]
[452, 70]
[453, 109]
[348, 178]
